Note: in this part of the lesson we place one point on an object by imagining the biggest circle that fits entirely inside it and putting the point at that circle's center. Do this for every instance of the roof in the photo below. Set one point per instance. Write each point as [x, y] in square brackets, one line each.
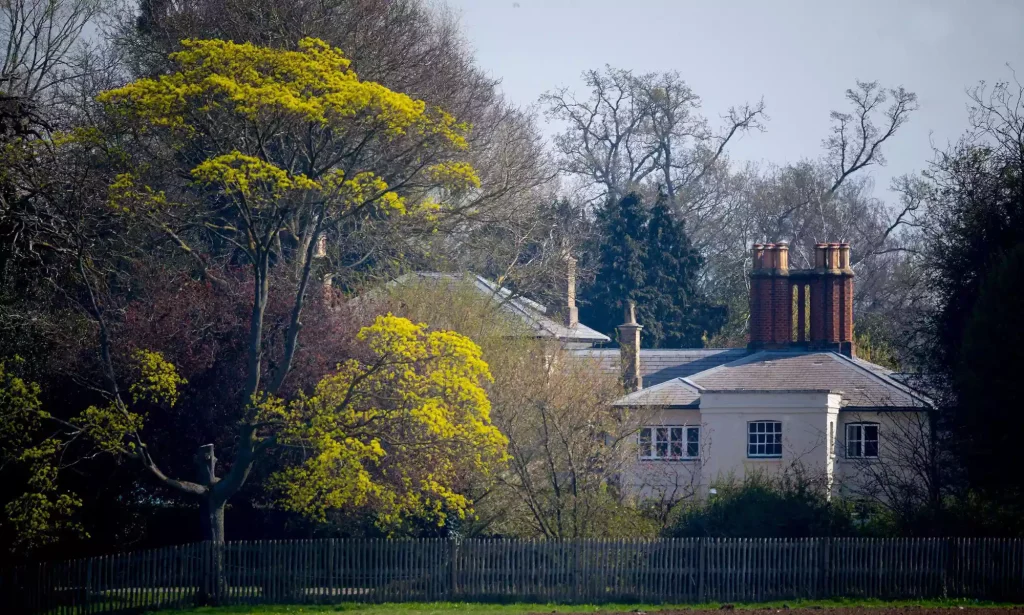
[863, 385]
[530, 313]
[661, 365]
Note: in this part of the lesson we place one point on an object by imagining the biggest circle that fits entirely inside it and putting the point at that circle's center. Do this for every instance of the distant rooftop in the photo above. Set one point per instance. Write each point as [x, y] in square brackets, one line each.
[530, 313]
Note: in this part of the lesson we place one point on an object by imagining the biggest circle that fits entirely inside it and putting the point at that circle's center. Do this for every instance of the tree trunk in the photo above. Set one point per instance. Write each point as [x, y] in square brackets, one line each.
[212, 510]
[211, 507]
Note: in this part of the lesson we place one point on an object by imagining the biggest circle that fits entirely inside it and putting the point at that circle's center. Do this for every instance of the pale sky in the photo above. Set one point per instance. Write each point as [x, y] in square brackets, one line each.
[800, 55]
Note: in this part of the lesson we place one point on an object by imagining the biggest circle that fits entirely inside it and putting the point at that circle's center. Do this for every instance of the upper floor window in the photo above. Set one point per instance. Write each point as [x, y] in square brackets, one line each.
[670, 442]
[764, 439]
[861, 440]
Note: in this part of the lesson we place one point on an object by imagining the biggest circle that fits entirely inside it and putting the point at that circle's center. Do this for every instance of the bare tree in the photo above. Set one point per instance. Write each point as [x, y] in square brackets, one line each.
[634, 131]
[41, 42]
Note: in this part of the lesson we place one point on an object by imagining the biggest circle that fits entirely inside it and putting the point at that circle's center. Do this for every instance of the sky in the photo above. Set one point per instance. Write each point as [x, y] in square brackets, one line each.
[799, 55]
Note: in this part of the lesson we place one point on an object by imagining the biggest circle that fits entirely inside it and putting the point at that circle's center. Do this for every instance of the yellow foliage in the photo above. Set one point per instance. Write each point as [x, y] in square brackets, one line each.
[158, 379]
[455, 175]
[396, 432]
[313, 84]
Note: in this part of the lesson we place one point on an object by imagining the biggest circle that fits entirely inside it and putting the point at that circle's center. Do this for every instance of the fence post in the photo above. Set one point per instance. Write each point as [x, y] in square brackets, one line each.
[453, 554]
[702, 549]
[826, 584]
[947, 566]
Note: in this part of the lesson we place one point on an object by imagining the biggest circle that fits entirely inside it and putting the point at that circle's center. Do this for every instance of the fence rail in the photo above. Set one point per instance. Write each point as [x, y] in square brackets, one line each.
[375, 570]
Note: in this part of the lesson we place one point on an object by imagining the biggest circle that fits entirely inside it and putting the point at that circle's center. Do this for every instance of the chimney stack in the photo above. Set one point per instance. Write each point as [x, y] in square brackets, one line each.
[629, 350]
[831, 288]
[771, 302]
[572, 314]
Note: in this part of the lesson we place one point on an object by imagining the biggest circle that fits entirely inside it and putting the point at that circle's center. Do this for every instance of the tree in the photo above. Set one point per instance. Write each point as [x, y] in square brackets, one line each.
[635, 130]
[568, 444]
[827, 198]
[254, 156]
[679, 314]
[620, 271]
[411, 46]
[645, 256]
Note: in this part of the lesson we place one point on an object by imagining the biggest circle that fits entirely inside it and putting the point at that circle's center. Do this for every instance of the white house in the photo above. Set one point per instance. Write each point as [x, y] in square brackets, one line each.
[796, 397]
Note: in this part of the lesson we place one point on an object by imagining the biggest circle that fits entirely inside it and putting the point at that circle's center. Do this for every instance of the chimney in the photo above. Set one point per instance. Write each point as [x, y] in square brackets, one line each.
[760, 319]
[572, 315]
[629, 350]
[771, 303]
[782, 298]
[831, 289]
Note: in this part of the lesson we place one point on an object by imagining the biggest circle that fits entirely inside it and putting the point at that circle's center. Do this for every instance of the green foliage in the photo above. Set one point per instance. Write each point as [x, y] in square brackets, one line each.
[645, 256]
[988, 378]
[761, 507]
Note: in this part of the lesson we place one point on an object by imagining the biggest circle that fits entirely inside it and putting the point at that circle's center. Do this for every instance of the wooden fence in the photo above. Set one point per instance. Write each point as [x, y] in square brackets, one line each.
[371, 570]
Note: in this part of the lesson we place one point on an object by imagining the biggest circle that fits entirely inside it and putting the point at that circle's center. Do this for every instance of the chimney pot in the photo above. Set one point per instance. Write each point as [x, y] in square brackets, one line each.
[758, 252]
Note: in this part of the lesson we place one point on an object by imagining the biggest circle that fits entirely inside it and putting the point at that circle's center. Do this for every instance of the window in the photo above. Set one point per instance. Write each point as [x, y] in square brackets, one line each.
[862, 440]
[764, 439]
[669, 442]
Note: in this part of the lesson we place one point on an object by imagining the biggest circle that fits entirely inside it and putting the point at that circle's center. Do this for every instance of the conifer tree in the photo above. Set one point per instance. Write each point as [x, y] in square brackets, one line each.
[645, 256]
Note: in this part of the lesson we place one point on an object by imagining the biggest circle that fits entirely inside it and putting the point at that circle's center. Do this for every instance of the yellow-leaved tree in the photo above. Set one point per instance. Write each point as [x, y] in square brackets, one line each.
[271, 159]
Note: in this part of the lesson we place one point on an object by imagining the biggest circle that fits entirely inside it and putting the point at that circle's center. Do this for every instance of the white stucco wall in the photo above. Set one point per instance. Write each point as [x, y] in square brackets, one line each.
[903, 442]
[805, 418]
[813, 438]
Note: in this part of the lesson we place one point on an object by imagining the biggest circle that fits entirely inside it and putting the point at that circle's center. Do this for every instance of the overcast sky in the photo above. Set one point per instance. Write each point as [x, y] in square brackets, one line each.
[800, 55]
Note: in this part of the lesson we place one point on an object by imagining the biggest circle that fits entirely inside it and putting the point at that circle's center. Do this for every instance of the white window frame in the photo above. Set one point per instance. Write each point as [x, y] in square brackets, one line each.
[675, 448]
[856, 433]
[752, 431]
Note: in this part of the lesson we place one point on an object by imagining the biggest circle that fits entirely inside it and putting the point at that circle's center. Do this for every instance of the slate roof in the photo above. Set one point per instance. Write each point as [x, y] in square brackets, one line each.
[863, 385]
[530, 313]
[661, 365]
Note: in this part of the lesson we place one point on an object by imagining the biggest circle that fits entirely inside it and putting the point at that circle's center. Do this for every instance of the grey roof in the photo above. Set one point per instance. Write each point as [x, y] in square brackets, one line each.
[661, 365]
[530, 313]
[674, 393]
[863, 385]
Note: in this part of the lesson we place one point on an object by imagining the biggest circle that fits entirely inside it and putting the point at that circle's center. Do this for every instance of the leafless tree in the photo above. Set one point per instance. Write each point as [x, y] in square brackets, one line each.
[904, 477]
[42, 41]
[634, 131]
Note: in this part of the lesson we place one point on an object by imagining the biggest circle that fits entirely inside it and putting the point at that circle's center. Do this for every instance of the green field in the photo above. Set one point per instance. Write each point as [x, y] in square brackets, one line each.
[462, 608]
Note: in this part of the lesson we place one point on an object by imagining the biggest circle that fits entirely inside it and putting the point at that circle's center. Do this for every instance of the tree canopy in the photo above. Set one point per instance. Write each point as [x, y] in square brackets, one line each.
[645, 256]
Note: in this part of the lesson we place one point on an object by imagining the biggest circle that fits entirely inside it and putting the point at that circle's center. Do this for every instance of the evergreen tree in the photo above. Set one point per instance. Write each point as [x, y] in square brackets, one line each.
[645, 256]
[621, 257]
[676, 314]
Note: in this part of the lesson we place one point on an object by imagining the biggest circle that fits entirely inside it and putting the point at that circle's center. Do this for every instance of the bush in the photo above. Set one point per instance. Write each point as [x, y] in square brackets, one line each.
[764, 507]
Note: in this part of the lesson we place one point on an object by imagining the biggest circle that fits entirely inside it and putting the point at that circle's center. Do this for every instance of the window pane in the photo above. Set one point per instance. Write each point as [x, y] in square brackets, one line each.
[645, 442]
[692, 449]
[677, 449]
[661, 448]
[693, 434]
[677, 434]
[871, 448]
[871, 432]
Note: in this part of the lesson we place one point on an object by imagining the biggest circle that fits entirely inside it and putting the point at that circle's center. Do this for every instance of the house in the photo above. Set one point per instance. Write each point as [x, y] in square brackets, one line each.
[796, 397]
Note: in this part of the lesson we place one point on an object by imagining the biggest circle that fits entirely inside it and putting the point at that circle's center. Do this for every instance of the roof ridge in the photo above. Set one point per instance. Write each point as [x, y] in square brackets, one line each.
[841, 358]
[740, 361]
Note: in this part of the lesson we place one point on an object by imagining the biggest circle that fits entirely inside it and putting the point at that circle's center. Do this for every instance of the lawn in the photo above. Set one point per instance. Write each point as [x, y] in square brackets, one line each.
[462, 608]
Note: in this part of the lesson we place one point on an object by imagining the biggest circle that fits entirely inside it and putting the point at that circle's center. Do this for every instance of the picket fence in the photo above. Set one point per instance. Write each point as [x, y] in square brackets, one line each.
[375, 570]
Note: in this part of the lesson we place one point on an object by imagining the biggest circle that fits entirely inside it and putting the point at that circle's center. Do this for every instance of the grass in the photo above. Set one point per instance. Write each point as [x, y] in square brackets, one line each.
[463, 608]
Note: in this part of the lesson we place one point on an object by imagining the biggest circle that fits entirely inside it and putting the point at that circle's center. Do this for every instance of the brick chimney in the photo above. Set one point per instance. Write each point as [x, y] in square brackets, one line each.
[771, 301]
[571, 318]
[831, 290]
[629, 350]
